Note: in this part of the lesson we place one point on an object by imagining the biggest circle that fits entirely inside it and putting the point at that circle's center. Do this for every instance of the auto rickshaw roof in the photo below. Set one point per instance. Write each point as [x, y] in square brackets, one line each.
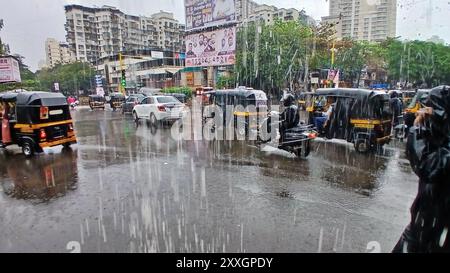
[349, 92]
[95, 96]
[44, 98]
[8, 97]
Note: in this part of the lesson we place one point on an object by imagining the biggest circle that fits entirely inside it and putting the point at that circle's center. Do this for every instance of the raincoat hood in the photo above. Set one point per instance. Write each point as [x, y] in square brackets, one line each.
[288, 100]
[439, 100]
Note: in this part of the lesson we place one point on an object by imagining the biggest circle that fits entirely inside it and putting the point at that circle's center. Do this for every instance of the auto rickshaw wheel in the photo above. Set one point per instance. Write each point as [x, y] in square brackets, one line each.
[136, 118]
[28, 148]
[362, 145]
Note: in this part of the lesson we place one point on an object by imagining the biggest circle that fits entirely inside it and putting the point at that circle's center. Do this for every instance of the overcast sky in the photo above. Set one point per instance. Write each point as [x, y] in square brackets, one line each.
[28, 23]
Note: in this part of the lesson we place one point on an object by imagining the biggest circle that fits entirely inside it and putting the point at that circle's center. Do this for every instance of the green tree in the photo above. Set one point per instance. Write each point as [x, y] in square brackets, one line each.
[272, 57]
[71, 77]
[417, 62]
[353, 56]
[226, 82]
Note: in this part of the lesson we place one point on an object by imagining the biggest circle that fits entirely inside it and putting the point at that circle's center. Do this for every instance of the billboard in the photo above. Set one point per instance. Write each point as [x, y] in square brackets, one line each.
[9, 70]
[208, 13]
[213, 48]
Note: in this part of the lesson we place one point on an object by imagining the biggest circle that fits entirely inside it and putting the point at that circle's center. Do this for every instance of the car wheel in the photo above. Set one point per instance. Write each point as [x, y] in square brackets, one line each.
[28, 149]
[153, 120]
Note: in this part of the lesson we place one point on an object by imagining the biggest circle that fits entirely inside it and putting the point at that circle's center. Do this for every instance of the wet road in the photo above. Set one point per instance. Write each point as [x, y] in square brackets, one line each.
[132, 189]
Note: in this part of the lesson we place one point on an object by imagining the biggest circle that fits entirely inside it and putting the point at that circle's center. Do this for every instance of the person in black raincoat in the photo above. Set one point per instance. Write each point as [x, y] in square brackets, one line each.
[428, 150]
[396, 106]
[290, 116]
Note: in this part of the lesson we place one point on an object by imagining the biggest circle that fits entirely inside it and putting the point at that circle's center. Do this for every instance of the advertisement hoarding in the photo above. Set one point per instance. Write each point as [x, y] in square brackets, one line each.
[208, 13]
[9, 70]
[213, 48]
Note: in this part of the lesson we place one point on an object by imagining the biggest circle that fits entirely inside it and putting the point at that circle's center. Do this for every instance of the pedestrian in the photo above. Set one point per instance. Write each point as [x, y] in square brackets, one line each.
[428, 150]
[396, 106]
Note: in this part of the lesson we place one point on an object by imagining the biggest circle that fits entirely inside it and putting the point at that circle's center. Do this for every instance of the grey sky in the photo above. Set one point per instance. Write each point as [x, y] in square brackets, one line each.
[29, 22]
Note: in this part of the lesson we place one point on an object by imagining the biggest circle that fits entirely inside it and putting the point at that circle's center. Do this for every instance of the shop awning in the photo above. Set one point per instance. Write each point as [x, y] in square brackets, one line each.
[173, 70]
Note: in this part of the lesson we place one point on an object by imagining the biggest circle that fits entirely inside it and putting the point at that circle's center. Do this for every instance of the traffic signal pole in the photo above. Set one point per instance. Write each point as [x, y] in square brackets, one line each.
[122, 78]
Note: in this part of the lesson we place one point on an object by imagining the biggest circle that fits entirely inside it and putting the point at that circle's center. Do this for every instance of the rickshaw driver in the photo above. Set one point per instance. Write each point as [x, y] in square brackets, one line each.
[290, 116]
[322, 121]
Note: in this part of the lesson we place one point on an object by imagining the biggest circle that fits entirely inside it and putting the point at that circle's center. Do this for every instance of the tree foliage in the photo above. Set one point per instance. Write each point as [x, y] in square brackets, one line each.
[224, 82]
[71, 78]
[273, 57]
[418, 63]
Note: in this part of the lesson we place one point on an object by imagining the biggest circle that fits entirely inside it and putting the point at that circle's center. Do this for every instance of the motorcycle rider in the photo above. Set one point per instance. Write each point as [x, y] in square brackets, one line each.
[290, 116]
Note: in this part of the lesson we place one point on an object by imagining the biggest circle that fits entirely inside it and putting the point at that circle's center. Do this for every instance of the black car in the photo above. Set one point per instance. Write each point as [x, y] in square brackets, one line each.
[131, 101]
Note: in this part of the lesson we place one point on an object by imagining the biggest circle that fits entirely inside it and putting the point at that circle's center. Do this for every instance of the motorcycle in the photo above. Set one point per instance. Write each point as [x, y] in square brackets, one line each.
[296, 140]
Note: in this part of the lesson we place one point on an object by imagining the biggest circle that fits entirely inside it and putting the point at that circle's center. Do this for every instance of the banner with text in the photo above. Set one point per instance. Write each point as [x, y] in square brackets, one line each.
[208, 13]
[214, 48]
[9, 70]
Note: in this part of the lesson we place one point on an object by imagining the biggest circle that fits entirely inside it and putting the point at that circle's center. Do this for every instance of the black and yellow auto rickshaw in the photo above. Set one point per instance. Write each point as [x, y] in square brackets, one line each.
[96, 102]
[249, 108]
[38, 120]
[414, 106]
[362, 117]
[407, 96]
[303, 99]
[116, 100]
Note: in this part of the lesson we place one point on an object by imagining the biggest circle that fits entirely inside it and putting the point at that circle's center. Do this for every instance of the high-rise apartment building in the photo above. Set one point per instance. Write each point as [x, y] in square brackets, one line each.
[94, 33]
[244, 8]
[269, 14]
[57, 53]
[370, 20]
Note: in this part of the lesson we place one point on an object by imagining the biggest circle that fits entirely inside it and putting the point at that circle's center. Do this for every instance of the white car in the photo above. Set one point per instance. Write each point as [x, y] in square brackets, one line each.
[159, 109]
